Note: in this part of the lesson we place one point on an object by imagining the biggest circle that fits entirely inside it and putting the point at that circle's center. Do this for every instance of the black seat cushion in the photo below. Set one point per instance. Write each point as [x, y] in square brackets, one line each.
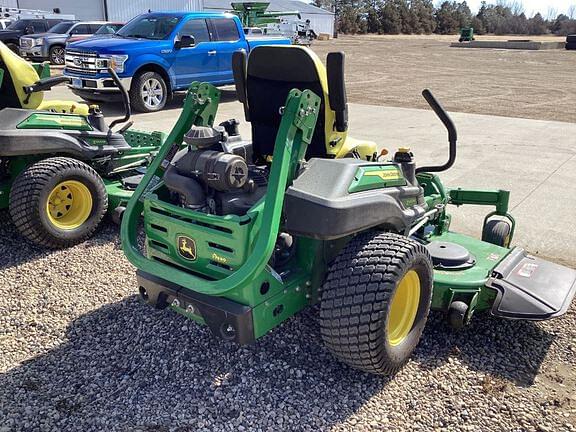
[270, 77]
[8, 96]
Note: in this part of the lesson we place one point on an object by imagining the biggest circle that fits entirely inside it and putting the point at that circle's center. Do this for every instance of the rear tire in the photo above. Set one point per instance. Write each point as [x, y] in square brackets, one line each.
[497, 232]
[375, 302]
[58, 202]
[149, 92]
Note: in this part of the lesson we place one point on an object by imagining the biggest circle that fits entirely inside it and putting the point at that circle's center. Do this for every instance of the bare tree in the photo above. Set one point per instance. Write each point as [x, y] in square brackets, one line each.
[572, 11]
[516, 6]
[551, 13]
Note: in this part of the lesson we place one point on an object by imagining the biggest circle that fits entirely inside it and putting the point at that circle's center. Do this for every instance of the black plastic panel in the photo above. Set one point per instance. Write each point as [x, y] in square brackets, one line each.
[226, 319]
[318, 204]
[531, 288]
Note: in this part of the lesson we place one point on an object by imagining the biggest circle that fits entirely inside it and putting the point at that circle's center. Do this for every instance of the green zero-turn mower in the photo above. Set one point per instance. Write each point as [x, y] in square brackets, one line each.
[242, 235]
[61, 166]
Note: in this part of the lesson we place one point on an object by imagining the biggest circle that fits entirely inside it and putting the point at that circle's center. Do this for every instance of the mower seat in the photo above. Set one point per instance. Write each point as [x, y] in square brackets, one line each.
[19, 74]
[263, 81]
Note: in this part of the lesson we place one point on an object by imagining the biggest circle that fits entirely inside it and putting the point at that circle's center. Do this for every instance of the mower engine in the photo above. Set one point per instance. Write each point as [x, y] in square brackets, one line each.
[215, 174]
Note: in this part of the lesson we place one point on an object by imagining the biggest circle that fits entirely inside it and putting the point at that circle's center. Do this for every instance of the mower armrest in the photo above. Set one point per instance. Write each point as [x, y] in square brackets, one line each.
[46, 84]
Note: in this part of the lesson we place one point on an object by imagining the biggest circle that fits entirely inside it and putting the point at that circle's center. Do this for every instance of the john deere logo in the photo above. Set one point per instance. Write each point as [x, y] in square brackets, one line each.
[187, 248]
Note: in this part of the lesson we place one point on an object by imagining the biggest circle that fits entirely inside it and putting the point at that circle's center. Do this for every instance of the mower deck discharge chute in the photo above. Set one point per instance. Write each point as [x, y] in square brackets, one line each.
[242, 235]
[61, 167]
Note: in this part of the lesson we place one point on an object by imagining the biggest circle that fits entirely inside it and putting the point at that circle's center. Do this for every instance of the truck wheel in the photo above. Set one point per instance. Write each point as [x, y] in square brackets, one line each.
[375, 301]
[13, 47]
[497, 232]
[57, 55]
[148, 92]
[58, 202]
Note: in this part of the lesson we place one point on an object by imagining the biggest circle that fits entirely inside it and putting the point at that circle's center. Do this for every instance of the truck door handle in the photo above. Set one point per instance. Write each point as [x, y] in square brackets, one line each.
[211, 53]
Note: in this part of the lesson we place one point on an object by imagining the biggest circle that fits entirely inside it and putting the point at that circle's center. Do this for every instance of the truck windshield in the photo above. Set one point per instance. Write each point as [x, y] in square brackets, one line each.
[108, 29]
[19, 25]
[61, 28]
[148, 27]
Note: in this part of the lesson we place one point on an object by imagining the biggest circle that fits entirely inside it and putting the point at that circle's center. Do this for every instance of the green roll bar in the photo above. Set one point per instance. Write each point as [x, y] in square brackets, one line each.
[299, 117]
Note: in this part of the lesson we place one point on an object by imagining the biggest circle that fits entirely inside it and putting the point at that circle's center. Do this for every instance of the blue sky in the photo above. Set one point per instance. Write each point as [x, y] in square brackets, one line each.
[533, 6]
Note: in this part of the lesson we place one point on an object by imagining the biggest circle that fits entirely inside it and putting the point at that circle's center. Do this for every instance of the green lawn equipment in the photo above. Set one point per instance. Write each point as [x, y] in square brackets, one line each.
[466, 34]
[61, 166]
[242, 235]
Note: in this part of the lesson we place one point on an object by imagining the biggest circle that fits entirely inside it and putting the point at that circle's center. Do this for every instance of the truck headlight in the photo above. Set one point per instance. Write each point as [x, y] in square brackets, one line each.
[38, 41]
[115, 62]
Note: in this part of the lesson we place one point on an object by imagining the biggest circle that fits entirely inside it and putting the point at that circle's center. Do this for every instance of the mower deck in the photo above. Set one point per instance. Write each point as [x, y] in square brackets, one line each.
[508, 282]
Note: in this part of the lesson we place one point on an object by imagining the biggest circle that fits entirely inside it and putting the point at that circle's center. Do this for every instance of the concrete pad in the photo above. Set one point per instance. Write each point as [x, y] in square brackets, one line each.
[535, 160]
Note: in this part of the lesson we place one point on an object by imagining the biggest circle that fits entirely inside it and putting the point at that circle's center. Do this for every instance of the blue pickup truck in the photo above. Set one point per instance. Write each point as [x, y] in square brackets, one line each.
[158, 53]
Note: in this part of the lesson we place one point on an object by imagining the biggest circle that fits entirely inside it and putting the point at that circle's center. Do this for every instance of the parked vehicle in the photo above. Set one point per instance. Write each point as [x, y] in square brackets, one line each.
[253, 31]
[24, 27]
[51, 45]
[4, 23]
[158, 53]
[107, 29]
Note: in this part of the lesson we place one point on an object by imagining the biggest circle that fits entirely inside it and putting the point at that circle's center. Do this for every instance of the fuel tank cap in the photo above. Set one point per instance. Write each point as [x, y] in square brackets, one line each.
[450, 256]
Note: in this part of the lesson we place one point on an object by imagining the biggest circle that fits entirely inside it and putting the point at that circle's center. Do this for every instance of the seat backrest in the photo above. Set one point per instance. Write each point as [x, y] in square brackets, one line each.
[271, 72]
[18, 73]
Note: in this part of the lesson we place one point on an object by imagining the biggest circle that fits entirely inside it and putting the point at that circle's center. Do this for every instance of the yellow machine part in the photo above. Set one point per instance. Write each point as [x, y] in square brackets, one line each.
[23, 74]
[344, 145]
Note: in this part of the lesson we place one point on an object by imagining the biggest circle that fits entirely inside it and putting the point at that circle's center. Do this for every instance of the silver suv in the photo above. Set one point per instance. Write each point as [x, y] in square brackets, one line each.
[52, 44]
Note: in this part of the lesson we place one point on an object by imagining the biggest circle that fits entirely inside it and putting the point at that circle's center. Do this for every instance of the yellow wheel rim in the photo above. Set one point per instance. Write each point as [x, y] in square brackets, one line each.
[403, 308]
[69, 205]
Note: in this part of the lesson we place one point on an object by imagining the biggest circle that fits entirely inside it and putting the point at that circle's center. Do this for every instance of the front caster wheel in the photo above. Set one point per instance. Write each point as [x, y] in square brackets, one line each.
[497, 232]
[458, 316]
[375, 301]
[58, 202]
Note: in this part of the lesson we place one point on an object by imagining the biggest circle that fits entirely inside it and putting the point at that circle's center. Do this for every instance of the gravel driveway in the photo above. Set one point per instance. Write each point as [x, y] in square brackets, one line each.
[79, 352]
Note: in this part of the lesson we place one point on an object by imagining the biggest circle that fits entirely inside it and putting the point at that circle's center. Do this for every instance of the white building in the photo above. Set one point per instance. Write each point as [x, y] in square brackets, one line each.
[113, 10]
[321, 21]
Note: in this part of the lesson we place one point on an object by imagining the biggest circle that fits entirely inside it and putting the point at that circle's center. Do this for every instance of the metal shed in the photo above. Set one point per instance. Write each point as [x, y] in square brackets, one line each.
[113, 10]
[321, 21]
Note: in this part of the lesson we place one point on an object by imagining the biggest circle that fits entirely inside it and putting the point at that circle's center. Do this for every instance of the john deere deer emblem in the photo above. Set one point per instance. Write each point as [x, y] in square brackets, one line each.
[187, 248]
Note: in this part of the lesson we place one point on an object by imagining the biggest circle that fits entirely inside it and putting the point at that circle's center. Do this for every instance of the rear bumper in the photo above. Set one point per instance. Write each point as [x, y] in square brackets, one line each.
[225, 318]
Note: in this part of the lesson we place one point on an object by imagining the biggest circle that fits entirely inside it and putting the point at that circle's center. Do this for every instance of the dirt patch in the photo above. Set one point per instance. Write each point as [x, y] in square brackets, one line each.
[393, 70]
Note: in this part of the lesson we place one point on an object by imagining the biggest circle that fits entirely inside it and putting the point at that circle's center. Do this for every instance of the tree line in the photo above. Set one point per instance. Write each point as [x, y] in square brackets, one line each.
[422, 17]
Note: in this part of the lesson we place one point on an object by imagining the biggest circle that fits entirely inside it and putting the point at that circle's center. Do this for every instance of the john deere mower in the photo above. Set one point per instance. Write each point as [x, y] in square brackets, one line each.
[61, 166]
[242, 235]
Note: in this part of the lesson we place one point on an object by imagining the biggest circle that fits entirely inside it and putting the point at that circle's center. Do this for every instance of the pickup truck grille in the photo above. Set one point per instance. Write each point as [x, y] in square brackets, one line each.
[81, 62]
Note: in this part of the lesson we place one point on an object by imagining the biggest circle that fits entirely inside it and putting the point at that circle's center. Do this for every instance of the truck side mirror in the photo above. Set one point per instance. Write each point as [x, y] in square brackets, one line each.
[337, 89]
[185, 41]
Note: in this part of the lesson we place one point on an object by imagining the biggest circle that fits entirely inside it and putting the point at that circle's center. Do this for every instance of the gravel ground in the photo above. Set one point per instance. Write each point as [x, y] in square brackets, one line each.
[79, 352]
